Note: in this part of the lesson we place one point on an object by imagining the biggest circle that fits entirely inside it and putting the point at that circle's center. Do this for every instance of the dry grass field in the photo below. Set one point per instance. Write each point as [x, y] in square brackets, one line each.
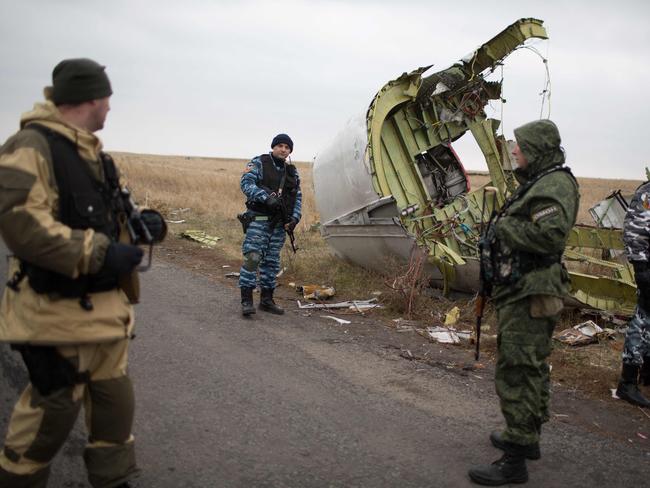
[205, 194]
[592, 190]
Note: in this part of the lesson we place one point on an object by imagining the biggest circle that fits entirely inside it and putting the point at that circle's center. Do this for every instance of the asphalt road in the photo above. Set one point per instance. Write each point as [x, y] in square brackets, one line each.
[298, 401]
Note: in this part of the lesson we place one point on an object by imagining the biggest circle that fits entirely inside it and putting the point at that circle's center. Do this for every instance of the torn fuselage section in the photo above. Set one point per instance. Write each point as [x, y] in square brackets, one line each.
[408, 188]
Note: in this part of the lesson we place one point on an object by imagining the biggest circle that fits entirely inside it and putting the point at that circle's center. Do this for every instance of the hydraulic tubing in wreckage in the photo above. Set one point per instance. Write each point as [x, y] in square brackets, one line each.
[391, 182]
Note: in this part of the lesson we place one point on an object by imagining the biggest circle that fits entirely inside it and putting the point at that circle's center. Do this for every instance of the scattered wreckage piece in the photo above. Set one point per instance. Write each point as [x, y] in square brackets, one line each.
[582, 334]
[200, 236]
[338, 320]
[316, 292]
[358, 305]
[447, 335]
[392, 183]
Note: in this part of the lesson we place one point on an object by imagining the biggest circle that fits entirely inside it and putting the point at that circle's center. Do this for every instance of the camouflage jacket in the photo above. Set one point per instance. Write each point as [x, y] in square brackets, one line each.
[636, 230]
[30, 227]
[252, 178]
[539, 222]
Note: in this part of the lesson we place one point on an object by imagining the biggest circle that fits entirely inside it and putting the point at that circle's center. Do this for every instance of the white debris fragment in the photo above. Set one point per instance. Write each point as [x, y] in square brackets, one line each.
[340, 321]
[446, 335]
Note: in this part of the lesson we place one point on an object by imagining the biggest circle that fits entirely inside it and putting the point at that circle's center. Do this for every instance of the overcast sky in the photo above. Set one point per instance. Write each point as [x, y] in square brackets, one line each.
[221, 78]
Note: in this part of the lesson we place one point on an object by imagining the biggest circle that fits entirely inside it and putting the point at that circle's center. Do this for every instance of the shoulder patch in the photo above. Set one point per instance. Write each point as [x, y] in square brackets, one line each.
[249, 167]
[545, 212]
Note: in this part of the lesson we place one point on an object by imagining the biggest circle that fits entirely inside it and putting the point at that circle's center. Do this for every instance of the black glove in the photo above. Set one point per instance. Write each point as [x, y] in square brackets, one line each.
[155, 224]
[289, 226]
[273, 203]
[122, 258]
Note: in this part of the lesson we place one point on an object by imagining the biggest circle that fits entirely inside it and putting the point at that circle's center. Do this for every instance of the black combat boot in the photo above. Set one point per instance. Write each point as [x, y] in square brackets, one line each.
[644, 374]
[247, 306]
[511, 468]
[267, 304]
[531, 451]
[628, 386]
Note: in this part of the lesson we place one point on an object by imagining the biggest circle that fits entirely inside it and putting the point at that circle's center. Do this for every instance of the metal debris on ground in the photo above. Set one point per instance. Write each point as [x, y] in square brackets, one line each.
[175, 221]
[340, 321]
[582, 334]
[402, 325]
[447, 335]
[357, 305]
[316, 292]
[200, 236]
[232, 275]
[281, 272]
[407, 354]
[452, 316]
[401, 322]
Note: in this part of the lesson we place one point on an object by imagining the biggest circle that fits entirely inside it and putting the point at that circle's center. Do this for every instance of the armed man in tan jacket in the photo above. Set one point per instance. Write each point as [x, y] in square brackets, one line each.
[62, 308]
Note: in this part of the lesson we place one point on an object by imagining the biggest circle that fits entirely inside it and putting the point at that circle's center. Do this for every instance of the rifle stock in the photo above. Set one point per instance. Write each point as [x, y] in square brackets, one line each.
[129, 283]
[484, 288]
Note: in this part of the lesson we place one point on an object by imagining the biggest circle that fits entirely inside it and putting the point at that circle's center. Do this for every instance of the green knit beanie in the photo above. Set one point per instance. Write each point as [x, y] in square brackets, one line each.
[79, 80]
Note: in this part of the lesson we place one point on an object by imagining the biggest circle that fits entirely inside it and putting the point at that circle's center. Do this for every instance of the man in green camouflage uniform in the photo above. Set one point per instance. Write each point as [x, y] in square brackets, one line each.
[521, 259]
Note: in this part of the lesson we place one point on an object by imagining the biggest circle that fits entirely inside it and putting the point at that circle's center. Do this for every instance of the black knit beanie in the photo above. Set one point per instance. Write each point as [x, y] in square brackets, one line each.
[282, 138]
[79, 80]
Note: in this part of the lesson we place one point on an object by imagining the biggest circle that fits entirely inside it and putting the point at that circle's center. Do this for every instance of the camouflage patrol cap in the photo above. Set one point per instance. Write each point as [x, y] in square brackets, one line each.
[79, 80]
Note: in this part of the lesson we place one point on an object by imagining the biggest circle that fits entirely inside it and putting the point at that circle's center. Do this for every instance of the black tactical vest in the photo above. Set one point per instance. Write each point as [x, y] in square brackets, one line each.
[272, 178]
[501, 265]
[84, 203]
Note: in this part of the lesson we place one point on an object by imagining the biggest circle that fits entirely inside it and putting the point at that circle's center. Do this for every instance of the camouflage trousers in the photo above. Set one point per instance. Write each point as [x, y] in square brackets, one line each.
[40, 424]
[261, 250]
[522, 376]
[637, 337]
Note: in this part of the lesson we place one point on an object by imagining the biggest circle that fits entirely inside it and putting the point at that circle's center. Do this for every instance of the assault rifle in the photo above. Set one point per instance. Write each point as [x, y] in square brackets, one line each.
[485, 288]
[132, 226]
[138, 231]
[283, 217]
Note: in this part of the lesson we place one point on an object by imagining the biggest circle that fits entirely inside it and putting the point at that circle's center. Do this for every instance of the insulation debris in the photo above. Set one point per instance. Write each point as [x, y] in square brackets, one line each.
[452, 316]
[200, 236]
[316, 292]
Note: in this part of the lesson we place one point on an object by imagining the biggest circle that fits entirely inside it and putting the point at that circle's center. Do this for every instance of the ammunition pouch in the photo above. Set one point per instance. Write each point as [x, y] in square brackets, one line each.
[501, 265]
[44, 281]
[262, 208]
[48, 370]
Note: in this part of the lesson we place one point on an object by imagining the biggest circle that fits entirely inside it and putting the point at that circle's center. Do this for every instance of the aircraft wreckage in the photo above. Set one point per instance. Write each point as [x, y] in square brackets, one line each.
[391, 182]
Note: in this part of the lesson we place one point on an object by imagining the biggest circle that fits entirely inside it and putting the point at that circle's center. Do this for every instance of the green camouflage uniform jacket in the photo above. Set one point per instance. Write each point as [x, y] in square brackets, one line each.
[539, 222]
